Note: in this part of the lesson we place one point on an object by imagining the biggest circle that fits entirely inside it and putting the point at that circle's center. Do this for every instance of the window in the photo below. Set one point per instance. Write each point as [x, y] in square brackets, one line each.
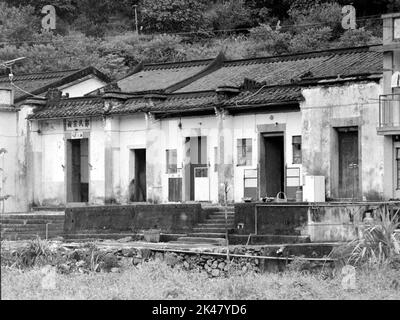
[172, 161]
[244, 153]
[398, 167]
[296, 143]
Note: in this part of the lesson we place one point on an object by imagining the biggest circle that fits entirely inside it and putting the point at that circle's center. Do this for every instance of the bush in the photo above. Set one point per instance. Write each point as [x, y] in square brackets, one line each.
[378, 245]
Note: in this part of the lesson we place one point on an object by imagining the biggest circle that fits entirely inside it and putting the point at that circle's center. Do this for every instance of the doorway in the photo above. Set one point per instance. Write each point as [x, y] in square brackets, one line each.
[272, 164]
[78, 170]
[348, 163]
[396, 169]
[197, 187]
[137, 186]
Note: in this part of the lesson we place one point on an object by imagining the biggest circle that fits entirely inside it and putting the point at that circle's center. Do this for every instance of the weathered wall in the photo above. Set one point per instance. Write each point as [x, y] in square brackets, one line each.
[27, 182]
[328, 107]
[320, 222]
[245, 126]
[170, 218]
[274, 219]
[132, 136]
[10, 168]
[83, 87]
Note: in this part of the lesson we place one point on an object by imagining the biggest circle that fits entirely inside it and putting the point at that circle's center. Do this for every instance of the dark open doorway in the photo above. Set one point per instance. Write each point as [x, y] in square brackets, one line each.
[137, 188]
[78, 170]
[272, 164]
[348, 163]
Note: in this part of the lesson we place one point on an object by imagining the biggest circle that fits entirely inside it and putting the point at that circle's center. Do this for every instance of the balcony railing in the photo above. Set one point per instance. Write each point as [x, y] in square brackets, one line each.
[389, 111]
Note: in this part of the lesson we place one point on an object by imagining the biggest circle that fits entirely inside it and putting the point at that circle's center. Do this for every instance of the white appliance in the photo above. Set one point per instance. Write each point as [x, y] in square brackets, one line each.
[314, 189]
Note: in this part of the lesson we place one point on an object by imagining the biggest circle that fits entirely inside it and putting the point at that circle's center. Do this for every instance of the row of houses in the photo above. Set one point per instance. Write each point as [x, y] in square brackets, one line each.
[211, 130]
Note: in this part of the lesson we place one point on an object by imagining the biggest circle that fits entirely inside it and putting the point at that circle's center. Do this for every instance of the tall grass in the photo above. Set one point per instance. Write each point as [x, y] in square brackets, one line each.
[379, 244]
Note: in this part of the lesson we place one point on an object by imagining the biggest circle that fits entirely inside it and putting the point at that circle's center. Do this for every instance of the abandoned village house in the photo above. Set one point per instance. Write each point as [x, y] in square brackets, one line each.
[209, 129]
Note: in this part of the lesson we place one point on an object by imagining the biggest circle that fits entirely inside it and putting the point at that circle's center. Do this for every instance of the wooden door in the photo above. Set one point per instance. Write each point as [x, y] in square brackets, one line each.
[348, 164]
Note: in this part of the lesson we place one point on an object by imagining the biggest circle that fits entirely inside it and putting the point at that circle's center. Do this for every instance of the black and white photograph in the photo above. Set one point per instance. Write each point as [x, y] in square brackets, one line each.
[201, 156]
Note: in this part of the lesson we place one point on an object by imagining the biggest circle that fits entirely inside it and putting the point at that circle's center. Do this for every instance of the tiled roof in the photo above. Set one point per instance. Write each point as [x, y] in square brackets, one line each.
[290, 68]
[277, 81]
[269, 95]
[39, 83]
[161, 76]
[74, 107]
[34, 81]
[173, 103]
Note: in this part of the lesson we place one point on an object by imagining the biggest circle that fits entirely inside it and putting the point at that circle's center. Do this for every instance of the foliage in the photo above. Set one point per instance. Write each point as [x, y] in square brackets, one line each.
[227, 15]
[172, 15]
[155, 280]
[378, 246]
[99, 33]
[17, 24]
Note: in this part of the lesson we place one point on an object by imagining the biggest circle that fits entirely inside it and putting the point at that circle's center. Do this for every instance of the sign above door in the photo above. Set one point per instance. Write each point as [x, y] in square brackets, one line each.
[77, 124]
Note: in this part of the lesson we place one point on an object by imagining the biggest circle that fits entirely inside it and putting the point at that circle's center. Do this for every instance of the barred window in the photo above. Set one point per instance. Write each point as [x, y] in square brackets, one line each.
[172, 162]
[296, 143]
[244, 152]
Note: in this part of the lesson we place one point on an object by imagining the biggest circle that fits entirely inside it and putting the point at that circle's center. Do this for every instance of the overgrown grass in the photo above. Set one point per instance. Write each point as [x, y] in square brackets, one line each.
[156, 280]
[378, 246]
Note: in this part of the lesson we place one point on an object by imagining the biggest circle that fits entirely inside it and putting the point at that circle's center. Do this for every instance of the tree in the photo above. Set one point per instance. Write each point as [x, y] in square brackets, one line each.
[172, 15]
[311, 39]
[228, 15]
[17, 24]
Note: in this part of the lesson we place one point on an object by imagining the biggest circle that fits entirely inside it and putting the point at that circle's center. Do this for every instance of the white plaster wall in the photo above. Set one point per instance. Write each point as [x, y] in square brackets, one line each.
[96, 163]
[54, 164]
[323, 105]
[132, 136]
[245, 126]
[82, 88]
[8, 141]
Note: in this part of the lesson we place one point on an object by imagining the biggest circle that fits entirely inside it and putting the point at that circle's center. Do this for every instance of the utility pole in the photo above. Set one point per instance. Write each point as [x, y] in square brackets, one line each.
[136, 20]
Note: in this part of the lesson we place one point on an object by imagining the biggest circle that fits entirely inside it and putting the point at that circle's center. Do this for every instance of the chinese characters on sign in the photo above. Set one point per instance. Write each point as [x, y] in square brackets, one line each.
[77, 124]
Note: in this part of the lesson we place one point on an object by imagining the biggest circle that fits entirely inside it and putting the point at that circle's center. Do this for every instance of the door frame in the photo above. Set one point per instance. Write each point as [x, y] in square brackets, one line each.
[334, 159]
[67, 137]
[270, 129]
[395, 189]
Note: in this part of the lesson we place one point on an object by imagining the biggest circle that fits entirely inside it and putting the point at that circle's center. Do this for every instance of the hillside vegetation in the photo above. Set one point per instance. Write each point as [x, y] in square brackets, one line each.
[102, 33]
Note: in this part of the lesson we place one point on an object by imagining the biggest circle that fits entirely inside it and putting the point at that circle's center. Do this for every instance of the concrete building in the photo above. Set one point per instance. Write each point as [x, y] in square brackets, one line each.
[15, 131]
[214, 129]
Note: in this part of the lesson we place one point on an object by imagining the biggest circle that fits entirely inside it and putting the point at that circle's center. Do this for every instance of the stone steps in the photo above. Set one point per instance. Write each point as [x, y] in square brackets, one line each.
[212, 230]
[207, 234]
[212, 224]
[26, 226]
[220, 216]
[209, 229]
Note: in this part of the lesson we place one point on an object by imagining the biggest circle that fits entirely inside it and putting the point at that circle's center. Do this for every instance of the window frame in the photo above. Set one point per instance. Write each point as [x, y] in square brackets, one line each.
[244, 152]
[171, 168]
[297, 158]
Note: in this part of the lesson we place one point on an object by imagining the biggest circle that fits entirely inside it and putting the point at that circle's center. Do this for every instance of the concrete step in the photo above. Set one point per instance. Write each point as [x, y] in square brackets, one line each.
[30, 221]
[201, 240]
[215, 225]
[209, 230]
[27, 227]
[220, 216]
[33, 217]
[207, 234]
[29, 236]
[229, 220]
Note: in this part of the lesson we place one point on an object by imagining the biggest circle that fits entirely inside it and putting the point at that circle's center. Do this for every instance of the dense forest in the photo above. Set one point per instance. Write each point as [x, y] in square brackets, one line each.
[103, 33]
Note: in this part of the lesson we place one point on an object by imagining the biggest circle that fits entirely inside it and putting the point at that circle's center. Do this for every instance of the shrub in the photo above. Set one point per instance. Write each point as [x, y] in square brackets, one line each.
[378, 245]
